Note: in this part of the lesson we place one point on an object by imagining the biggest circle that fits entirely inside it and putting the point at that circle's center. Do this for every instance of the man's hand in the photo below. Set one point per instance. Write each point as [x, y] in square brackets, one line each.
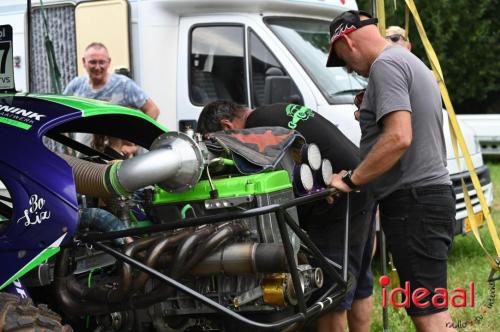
[337, 183]
[357, 114]
[358, 99]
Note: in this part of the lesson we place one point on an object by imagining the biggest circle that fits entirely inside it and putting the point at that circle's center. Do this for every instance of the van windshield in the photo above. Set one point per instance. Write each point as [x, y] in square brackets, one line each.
[308, 41]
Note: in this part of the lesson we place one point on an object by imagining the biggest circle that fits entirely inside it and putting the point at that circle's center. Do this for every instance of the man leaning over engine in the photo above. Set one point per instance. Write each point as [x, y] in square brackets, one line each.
[323, 222]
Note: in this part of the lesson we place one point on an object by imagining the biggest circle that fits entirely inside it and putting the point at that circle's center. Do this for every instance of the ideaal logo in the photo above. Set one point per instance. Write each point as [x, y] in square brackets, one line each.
[460, 297]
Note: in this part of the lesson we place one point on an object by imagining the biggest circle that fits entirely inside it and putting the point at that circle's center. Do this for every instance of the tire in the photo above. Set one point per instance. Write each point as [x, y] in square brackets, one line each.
[20, 315]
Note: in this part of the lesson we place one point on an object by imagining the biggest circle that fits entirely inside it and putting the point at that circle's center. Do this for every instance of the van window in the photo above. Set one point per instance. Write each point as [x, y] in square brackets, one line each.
[217, 64]
[308, 40]
[263, 65]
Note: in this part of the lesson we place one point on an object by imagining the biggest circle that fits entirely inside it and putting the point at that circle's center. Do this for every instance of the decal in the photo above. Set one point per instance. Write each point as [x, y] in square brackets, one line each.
[18, 117]
[6, 59]
[21, 112]
[341, 31]
[297, 113]
[34, 214]
[20, 289]
[37, 260]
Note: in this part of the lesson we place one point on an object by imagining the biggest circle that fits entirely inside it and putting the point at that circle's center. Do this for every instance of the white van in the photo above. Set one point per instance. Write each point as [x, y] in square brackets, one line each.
[185, 53]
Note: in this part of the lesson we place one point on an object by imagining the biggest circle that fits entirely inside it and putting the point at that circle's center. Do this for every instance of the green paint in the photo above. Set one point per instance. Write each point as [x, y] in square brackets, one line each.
[37, 260]
[91, 107]
[297, 113]
[115, 183]
[228, 162]
[229, 187]
[89, 284]
[141, 223]
[14, 123]
[185, 209]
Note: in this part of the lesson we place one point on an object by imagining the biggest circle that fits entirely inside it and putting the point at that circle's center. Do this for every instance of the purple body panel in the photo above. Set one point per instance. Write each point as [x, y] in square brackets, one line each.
[40, 183]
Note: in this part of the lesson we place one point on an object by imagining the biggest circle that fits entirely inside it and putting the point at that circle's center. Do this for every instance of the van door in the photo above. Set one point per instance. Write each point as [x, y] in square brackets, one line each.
[227, 59]
[112, 30]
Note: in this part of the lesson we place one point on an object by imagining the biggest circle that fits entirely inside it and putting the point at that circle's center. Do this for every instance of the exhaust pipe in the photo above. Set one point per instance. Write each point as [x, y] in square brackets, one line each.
[175, 163]
[244, 258]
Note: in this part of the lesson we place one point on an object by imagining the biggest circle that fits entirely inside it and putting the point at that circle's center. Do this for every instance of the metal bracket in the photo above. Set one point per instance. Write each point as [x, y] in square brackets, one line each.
[224, 203]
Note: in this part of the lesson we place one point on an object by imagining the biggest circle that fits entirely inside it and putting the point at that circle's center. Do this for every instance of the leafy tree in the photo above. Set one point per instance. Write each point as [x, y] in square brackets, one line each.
[465, 36]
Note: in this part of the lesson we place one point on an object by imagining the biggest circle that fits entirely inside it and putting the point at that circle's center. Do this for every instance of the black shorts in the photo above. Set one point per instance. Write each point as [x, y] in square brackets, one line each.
[418, 224]
[327, 233]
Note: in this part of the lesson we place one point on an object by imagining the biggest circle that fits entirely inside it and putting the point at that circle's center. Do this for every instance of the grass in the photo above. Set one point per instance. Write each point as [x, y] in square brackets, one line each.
[467, 263]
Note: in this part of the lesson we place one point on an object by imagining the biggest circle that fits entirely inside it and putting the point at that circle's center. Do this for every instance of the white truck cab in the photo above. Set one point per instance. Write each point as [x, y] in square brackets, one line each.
[185, 53]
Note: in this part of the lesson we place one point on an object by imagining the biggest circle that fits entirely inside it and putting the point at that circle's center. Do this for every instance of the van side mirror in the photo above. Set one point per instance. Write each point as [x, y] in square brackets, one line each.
[281, 89]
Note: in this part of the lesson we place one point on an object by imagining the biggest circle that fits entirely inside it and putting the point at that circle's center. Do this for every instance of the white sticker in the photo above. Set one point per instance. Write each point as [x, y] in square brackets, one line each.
[6, 58]
[34, 214]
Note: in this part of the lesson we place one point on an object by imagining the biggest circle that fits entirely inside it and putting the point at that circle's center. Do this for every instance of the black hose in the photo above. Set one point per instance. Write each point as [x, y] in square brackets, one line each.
[67, 301]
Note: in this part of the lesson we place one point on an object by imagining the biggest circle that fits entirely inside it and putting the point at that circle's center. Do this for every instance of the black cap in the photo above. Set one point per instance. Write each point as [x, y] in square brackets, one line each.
[342, 25]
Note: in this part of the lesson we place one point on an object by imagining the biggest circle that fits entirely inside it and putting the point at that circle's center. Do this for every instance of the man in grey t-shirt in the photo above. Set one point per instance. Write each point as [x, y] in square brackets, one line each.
[403, 159]
[102, 85]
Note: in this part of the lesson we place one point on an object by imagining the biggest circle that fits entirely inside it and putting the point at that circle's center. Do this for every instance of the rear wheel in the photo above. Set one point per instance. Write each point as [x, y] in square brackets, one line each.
[21, 315]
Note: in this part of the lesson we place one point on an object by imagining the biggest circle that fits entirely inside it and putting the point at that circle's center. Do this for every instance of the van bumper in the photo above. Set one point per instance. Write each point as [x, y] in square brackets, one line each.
[483, 173]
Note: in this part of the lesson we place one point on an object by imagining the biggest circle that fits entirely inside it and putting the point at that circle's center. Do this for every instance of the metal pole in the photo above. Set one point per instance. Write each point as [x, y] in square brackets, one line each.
[346, 235]
[383, 270]
[290, 257]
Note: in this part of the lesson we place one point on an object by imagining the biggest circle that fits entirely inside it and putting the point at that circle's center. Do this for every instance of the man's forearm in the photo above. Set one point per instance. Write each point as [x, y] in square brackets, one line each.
[150, 109]
[381, 158]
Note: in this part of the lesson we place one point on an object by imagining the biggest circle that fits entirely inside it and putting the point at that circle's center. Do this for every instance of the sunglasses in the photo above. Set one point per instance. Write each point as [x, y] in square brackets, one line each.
[395, 38]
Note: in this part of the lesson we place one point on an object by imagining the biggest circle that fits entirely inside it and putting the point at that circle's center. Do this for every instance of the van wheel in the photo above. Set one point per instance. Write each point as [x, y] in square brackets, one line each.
[21, 315]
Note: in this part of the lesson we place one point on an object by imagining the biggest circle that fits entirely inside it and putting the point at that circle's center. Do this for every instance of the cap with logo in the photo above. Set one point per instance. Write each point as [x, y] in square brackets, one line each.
[342, 25]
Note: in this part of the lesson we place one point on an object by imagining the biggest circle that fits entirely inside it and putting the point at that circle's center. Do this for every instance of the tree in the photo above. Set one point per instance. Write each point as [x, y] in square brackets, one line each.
[465, 36]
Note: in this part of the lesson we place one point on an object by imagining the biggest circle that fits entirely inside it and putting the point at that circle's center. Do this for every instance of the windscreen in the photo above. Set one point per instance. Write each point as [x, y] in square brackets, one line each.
[308, 41]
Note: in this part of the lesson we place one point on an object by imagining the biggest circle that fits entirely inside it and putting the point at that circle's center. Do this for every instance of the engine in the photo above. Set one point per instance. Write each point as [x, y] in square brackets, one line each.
[248, 270]
[239, 263]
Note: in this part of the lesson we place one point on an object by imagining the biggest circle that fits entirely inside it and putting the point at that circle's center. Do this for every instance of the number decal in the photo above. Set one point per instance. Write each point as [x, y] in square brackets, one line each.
[4, 47]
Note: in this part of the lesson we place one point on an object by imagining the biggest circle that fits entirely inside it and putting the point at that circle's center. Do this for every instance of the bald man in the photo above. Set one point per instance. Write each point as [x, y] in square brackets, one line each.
[403, 160]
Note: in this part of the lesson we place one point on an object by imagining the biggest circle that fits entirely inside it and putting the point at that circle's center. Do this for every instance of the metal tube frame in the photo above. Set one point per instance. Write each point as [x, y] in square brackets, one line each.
[303, 313]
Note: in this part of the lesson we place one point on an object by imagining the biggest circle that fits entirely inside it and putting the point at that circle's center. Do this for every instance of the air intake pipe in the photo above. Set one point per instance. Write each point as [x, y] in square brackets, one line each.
[174, 162]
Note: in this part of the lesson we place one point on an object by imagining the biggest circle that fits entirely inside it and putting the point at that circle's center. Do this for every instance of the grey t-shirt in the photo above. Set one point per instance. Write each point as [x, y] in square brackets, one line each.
[399, 81]
[119, 90]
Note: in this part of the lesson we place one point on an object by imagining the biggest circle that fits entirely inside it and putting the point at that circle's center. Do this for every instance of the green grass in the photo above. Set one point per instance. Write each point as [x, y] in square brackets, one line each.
[467, 263]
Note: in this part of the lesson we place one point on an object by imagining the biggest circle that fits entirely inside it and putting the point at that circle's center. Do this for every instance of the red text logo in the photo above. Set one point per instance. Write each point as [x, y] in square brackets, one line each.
[460, 297]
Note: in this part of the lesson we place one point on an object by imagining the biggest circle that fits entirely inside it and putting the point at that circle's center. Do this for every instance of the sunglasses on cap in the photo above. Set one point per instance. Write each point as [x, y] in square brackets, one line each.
[395, 38]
